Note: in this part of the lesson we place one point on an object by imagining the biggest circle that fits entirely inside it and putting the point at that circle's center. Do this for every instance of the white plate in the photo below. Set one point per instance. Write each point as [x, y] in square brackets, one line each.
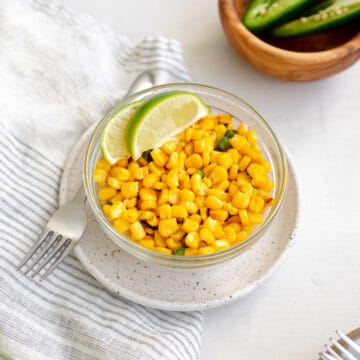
[179, 289]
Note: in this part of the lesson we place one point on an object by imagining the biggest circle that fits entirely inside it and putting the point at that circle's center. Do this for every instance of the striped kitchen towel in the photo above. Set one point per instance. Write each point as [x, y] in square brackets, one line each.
[59, 74]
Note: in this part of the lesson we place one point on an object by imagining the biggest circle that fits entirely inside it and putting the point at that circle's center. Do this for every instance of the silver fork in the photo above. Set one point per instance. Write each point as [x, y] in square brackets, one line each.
[61, 234]
[67, 225]
[351, 350]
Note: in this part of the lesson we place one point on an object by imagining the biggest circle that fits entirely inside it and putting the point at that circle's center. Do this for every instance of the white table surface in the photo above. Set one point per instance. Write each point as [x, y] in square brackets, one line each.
[317, 288]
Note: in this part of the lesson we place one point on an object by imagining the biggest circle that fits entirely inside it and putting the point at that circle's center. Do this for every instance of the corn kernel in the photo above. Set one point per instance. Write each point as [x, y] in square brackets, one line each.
[255, 170]
[169, 147]
[220, 130]
[242, 129]
[197, 134]
[148, 194]
[178, 235]
[159, 240]
[163, 197]
[224, 159]
[214, 226]
[203, 213]
[120, 173]
[207, 250]
[207, 122]
[233, 188]
[244, 217]
[188, 134]
[233, 171]
[154, 221]
[195, 217]
[121, 225]
[179, 211]
[130, 189]
[190, 206]
[220, 245]
[232, 210]
[159, 185]
[131, 215]
[206, 158]
[174, 196]
[239, 143]
[251, 137]
[230, 233]
[158, 170]
[186, 182]
[165, 211]
[163, 250]
[137, 231]
[213, 202]
[192, 240]
[150, 179]
[241, 200]
[235, 226]
[129, 203]
[223, 185]
[200, 201]
[244, 163]
[117, 197]
[103, 165]
[106, 193]
[173, 244]
[254, 218]
[207, 236]
[241, 236]
[194, 161]
[172, 179]
[190, 225]
[167, 227]
[190, 252]
[256, 204]
[173, 162]
[100, 176]
[209, 168]
[147, 243]
[219, 214]
[187, 195]
[234, 155]
[146, 214]
[160, 158]
[218, 174]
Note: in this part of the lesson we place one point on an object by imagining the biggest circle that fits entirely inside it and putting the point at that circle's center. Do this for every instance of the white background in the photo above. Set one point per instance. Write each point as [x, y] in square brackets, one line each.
[317, 288]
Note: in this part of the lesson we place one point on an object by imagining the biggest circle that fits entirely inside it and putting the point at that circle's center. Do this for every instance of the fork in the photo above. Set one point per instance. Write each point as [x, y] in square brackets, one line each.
[350, 352]
[61, 234]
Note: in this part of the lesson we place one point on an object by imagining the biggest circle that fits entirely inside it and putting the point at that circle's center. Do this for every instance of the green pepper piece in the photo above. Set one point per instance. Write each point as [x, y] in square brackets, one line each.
[180, 251]
[230, 133]
[223, 144]
[325, 16]
[147, 155]
[262, 15]
[202, 174]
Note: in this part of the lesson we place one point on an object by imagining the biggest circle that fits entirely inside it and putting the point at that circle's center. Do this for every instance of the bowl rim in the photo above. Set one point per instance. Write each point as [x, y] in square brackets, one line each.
[227, 8]
[213, 258]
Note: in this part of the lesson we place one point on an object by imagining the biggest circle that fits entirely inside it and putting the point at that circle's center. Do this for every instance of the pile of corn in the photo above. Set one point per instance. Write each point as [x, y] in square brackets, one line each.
[198, 194]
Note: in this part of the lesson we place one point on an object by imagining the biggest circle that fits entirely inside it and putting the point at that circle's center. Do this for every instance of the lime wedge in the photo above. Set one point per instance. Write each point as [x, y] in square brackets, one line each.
[160, 118]
[113, 138]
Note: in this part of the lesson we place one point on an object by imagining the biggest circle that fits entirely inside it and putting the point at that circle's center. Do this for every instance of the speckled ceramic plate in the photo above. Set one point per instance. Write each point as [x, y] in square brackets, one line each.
[180, 289]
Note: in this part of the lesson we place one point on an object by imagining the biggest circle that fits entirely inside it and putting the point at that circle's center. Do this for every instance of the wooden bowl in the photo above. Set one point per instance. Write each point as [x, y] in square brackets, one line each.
[306, 58]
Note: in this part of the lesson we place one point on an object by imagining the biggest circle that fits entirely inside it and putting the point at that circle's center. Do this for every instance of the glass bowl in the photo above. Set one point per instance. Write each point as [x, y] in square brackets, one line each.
[220, 102]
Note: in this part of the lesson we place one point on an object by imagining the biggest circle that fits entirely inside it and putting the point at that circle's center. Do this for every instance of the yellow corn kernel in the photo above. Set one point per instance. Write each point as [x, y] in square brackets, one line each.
[146, 214]
[206, 158]
[207, 236]
[190, 206]
[106, 193]
[220, 130]
[149, 231]
[234, 155]
[147, 194]
[189, 149]
[198, 134]
[235, 226]
[203, 213]
[159, 240]
[223, 185]
[221, 244]
[224, 118]
[147, 243]
[187, 195]
[190, 252]
[192, 240]
[154, 221]
[173, 244]
[198, 146]
[179, 211]
[233, 188]
[195, 217]
[255, 154]
[200, 201]
[207, 182]
[233, 171]
[244, 163]
[224, 159]
[191, 171]
[165, 211]
[129, 189]
[218, 193]
[150, 179]
[133, 168]
[208, 122]
[120, 173]
[218, 174]
[247, 188]
[131, 215]
[242, 129]
[185, 183]
[239, 143]
[241, 236]
[121, 225]
[117, 197]
[230, 233]
[244, 217]
[213, 156]
[232, 210]
[188, 134]
[154, 169]
[214, 226]
[241, 200]
[178, 235]
[251, 137]
[174, 196]
[256, 204]
[208, 169]
[169, 147]
[167, 227]
[129, 203]
[262, 182]
[173, 162]
[190, 225]
[219, 214]
[213, 202]
[265, 164]
[113, 182]
[196, 182]
[194, 161]
[172, 179]
[137, 231]
[254, 218]
[160, 158]
[100, 176]
[103, 165]
[148, 204]
[163, 250]
[163, 197]
[159, 185]
[255, 170]
[206, 250]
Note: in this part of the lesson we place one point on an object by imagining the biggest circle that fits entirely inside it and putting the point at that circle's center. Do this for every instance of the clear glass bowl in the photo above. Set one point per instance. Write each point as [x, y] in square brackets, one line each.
[220, 102]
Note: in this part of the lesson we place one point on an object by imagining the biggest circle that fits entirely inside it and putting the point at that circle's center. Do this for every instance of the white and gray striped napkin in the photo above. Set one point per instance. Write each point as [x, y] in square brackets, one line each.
[59, 74]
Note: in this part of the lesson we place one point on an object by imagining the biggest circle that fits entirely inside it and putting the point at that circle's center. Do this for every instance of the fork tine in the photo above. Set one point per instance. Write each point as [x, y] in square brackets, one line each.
[50, 254]
[325, 356]
[344, 352]
[46, 234]
[352, 344]
[43, 252]
[67, 249]
[332, 352]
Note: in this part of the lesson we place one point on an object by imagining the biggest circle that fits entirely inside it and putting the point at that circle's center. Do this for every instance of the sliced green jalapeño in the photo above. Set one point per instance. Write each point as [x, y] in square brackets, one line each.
[324, 16]
[262, 15]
